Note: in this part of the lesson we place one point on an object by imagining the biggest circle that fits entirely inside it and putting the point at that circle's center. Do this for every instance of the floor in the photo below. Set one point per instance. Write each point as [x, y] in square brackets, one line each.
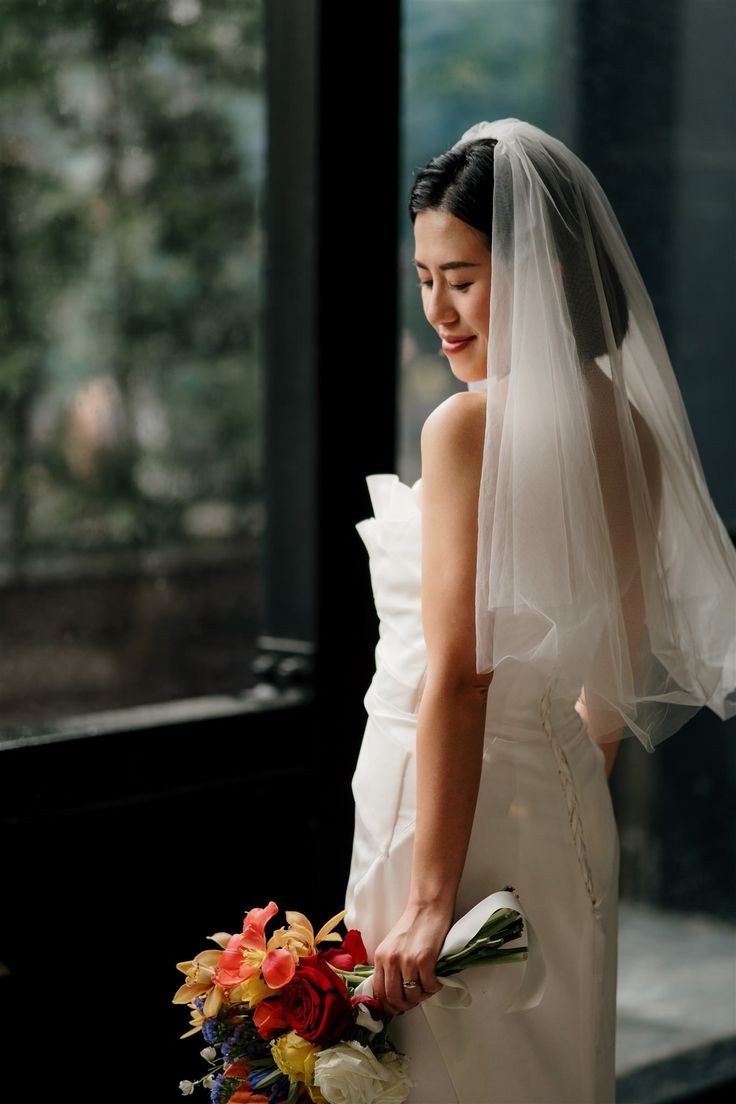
[676, 1004]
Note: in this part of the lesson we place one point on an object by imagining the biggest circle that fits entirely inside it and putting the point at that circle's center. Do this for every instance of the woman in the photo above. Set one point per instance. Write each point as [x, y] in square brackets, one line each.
[558, 579]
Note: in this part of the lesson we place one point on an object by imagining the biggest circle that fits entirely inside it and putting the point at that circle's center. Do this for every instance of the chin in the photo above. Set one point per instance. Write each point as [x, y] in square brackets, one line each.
[468, 374]
[469, 368]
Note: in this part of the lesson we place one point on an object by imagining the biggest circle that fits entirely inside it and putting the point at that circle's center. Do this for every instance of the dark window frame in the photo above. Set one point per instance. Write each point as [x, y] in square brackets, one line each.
[330, 385]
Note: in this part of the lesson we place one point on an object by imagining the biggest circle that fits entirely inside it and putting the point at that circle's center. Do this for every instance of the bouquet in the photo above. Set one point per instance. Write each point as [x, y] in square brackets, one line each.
[291, 1019]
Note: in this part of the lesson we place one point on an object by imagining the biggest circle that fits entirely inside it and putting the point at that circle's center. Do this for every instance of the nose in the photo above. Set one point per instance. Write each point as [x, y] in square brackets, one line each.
[439, 308]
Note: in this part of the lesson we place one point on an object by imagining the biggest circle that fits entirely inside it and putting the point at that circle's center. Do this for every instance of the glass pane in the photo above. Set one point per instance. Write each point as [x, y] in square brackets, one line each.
[132, 160]
[551, 64]
[461, 62]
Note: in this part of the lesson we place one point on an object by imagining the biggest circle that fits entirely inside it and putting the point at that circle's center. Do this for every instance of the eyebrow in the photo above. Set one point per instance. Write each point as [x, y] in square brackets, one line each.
[447, 264]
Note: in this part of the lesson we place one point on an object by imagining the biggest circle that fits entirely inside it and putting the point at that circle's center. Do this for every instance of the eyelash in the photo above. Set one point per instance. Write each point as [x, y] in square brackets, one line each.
[457, 287]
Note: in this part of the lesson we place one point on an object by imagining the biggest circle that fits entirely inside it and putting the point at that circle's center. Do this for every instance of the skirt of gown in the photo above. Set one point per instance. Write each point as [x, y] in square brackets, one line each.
[544, 824]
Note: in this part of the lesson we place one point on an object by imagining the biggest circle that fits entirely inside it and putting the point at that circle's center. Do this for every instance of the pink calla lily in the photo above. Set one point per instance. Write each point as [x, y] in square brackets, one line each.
[244, 954]
[254, 926]
[278, 968]
[233, 968]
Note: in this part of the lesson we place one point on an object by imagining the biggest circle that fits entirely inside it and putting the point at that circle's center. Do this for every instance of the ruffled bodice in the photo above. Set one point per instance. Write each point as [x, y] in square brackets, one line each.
[393, 538]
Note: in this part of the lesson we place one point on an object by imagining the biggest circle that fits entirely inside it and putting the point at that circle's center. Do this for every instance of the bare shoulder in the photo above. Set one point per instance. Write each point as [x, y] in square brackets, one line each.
[452, 434]
[452, 459]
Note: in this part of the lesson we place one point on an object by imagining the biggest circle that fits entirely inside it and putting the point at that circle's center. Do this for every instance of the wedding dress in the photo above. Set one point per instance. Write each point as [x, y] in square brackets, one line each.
[544, 824]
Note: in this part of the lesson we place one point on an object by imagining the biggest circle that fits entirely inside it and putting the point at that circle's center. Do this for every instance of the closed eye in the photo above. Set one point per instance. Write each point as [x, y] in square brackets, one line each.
[456, 287]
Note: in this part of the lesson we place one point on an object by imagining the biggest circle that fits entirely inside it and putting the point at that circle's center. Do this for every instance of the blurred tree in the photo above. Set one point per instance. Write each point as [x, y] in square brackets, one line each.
[131, 157]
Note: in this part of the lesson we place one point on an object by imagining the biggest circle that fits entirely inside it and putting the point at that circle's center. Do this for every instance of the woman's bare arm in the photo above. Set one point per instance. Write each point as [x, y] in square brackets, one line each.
[609, 747]
[451, 717]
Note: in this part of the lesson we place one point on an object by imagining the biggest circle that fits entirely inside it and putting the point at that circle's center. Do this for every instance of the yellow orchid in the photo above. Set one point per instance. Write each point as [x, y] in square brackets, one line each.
[252, 991]
[196, 1019]
[200, 972]
[221, 938]
[326, 932]
[299, 937]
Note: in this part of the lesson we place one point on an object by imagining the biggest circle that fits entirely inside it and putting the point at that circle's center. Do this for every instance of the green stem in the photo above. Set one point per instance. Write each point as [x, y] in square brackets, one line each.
[485, 947]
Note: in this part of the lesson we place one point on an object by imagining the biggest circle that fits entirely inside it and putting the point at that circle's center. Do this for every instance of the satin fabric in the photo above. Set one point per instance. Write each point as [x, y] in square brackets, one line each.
[544, 823]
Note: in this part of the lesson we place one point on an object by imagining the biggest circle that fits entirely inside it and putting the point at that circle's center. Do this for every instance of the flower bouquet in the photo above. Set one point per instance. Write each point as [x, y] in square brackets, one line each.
[291, 1019]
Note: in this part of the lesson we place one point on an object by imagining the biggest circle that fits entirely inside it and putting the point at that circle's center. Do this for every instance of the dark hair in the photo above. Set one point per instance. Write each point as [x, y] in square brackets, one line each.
[460, 181]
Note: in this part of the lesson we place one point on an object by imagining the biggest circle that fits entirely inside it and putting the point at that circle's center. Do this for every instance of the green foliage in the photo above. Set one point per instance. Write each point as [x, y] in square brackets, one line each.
[132, 140]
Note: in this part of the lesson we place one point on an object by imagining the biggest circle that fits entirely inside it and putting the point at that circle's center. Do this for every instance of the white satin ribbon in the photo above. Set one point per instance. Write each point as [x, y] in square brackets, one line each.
[455, 992]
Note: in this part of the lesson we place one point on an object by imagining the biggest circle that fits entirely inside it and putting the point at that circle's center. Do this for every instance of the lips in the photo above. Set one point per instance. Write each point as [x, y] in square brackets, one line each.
[456, 345]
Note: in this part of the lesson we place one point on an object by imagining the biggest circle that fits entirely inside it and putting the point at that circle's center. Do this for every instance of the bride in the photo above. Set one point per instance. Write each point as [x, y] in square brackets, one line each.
[557, 580]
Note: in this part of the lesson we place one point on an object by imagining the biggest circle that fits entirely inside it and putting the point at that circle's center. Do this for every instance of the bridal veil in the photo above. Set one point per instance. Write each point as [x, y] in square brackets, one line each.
[602, 560]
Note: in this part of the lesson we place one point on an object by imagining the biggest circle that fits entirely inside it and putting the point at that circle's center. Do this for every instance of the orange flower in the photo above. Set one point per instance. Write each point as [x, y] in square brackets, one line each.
[245, 1095]
[245, 955]
[253, 969]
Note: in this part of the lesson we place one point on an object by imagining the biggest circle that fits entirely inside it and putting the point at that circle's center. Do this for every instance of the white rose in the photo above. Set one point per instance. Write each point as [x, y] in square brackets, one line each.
[400, 1085]
[209, 1053]
[350, 1073]
[186, 1088]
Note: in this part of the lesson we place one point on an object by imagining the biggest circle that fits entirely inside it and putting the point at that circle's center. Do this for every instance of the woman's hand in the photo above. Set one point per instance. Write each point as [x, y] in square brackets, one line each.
[409, 951]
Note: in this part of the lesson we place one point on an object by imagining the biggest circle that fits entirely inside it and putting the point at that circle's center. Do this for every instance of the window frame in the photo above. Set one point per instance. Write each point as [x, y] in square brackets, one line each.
[315, 461]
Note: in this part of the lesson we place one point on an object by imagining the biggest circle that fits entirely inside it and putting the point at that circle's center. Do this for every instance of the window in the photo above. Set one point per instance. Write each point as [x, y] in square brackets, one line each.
[133, 159]
[486, 69]
[563, 69]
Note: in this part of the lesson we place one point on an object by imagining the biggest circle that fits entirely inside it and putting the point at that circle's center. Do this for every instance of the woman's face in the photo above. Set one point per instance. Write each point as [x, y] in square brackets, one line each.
[454, 266]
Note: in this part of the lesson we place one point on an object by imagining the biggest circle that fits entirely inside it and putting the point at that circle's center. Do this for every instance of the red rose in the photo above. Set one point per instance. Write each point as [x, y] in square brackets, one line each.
[316, 1002]
[351, 953]
[269, 1018]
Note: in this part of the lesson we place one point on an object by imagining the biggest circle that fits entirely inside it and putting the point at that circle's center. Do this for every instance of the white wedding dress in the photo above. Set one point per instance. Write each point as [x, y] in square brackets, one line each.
[544, 824]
